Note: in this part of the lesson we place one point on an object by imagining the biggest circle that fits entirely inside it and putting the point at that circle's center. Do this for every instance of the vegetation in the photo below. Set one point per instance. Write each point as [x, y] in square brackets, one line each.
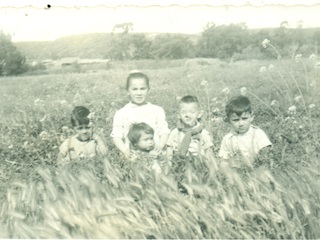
[230, 42]
[11, 61]
[110, 198]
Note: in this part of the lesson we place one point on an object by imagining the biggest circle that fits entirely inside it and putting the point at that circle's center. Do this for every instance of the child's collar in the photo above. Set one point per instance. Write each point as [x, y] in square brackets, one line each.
[136, 105]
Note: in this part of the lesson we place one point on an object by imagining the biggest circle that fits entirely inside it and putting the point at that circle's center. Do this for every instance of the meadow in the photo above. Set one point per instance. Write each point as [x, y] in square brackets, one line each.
[110, 198]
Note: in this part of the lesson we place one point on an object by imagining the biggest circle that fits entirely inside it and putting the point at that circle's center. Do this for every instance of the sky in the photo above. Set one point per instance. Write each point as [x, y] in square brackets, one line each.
[35, 21]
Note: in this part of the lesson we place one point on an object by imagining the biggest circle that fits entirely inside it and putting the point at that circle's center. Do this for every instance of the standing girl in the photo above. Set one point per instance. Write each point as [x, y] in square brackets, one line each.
[136, 111]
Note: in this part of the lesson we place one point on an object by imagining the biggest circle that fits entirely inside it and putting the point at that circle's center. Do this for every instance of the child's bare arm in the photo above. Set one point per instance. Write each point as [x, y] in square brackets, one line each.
[122, 147]
[169, 153]
[101, 145]
[162, 141]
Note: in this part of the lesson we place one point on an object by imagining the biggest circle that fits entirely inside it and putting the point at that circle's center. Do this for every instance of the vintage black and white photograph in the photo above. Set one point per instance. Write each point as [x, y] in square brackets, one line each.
[160, 120]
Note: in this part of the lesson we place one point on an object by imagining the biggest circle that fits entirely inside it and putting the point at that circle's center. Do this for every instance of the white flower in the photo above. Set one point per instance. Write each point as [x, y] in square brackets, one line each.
[243, 91]
[263, 69]
[65, 129]
[63, 102]
[271, 67]
[273, 103]
[216, 110]
[312, 57]
[265, 43]
[298, 57]
[44, 135]
[298, 98]
[317, 65]
[226, 90]
[214, 99]
[312, 105]
[204, 83]
[178, 98]
[292, 110]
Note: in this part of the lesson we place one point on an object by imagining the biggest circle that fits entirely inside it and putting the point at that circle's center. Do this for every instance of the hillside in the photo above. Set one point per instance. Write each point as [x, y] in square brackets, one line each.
[94, 45]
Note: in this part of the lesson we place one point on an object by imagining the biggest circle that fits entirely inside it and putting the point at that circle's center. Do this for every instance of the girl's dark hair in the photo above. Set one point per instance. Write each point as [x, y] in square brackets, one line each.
[79, 116]
[135, 75]
[135, 132]
[238, 105]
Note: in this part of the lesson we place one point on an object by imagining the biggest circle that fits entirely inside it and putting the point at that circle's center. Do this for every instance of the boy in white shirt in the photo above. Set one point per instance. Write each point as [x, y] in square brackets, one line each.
[244, 139]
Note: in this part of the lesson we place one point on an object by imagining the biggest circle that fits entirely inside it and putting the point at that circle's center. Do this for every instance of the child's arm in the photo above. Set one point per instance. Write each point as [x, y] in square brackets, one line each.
[103, 150]
[162, 141]
[118, 142]
[169, 153]
[63, 151]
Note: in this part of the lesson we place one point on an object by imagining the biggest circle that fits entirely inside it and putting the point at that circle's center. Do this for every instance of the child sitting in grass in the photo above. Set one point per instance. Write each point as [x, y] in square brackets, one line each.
[244, 139]
[136, 111]
[85, 143]
[189, 137]
[142, 145]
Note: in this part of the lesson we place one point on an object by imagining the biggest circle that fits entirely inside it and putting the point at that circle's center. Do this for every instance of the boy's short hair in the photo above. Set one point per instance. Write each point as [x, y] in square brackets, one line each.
[135, 75]
[79, 116]
[189, 99]
[238, 105]
[135, 131]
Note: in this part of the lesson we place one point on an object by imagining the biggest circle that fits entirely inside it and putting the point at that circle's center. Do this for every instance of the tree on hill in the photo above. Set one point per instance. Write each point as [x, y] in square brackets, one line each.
[222, 41]
[11, 60]
[173, 46]
[126, 45]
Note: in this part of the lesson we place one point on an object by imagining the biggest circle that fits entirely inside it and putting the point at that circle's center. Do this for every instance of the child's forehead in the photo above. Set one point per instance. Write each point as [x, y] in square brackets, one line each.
[145, 134]
[236, 115]
[190, 105]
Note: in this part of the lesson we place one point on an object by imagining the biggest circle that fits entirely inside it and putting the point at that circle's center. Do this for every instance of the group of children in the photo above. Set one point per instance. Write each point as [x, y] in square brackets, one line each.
[140, 129]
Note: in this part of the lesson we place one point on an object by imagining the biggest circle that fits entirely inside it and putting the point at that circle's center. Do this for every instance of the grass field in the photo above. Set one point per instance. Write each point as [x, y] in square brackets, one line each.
[108, 198]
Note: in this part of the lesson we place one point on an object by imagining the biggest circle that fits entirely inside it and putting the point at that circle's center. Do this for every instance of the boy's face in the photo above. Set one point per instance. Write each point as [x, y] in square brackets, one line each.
[241, 124]
[146, 142]
[84, 132]
[138, 91]
[189, 113]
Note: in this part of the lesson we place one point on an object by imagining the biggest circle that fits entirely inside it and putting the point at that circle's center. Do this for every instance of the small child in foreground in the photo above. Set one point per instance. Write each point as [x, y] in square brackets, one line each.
[142, 145]
[244, 138]
[85, 143]
[189, 137]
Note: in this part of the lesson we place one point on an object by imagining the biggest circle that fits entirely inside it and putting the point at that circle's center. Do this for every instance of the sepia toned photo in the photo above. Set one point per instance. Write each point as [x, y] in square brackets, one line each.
[160, 120]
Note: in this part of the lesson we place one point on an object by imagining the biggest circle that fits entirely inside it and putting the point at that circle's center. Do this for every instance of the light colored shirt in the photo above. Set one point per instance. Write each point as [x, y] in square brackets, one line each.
[148, 113]
[72, 149]
[248, 144]
[196, 146]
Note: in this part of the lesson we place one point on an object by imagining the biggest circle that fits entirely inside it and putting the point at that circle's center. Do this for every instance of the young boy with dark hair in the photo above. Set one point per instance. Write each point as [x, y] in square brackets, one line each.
[244, 139]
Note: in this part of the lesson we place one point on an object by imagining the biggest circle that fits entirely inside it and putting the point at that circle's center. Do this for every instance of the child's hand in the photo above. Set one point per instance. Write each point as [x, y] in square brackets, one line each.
[155, 152]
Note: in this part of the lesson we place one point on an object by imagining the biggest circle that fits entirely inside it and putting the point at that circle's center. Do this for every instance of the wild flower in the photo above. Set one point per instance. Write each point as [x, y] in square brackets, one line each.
[312, 57]
[216, 110]
[271, 67]
[298, 57]
[62, 102]
[215, 100]
[178, 98]
[317, 65]
[204, 83]
[273, 103]
[298, 98]
[226, 90]
[44, 135]
[65, 129]
[265, 43]
[292, 110]
[312, 105]
[263, 69]
[243, 91]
